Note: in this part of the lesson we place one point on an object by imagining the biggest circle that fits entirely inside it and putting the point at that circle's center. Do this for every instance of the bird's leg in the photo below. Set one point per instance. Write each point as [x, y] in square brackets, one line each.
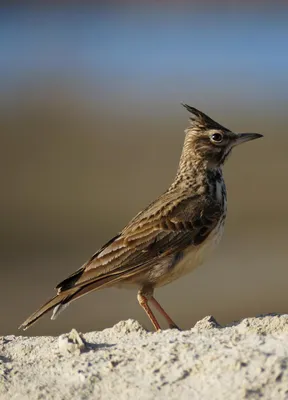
[143, 301]
[171, 323]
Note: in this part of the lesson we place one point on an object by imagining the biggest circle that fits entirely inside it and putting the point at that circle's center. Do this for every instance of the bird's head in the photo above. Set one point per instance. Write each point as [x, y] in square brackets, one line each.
[210, 141]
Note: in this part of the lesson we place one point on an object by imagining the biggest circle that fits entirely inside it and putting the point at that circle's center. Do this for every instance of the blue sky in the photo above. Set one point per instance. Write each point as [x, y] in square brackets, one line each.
[148, 50]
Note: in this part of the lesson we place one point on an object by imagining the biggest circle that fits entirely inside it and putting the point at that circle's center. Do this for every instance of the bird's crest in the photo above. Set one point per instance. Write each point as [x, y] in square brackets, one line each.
[201, 121]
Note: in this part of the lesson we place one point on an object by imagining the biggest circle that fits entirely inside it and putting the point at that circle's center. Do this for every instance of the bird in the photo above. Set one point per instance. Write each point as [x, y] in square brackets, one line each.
[170, 237]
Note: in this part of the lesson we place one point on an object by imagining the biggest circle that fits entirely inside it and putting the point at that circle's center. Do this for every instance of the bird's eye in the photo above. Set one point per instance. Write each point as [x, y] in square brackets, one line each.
[217, 137]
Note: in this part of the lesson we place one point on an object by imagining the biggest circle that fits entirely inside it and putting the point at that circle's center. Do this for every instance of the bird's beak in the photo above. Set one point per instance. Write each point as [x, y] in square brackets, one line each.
[245, 137]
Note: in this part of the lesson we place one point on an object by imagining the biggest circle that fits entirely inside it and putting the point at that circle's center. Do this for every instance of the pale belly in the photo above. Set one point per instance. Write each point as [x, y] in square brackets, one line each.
[193, 257]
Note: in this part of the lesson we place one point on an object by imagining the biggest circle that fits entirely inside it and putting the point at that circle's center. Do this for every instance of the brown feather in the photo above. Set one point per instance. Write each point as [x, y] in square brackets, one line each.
[55, 301]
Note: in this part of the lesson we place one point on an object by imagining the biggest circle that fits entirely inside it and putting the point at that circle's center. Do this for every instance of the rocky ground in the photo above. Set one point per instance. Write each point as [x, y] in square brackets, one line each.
[248, 360]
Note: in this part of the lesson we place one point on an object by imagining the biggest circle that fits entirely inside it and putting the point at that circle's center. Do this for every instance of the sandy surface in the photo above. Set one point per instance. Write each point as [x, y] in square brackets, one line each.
[248, 360]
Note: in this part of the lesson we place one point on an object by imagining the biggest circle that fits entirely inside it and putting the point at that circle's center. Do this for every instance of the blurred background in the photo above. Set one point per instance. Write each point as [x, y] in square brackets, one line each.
[92, 129]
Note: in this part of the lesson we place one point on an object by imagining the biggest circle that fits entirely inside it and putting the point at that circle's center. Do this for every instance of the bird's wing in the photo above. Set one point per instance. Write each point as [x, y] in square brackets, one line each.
[164, 228]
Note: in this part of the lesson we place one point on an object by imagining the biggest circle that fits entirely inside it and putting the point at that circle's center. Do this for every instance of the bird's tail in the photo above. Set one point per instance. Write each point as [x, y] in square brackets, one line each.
[73, 288]
[58, 302]
[67, 293]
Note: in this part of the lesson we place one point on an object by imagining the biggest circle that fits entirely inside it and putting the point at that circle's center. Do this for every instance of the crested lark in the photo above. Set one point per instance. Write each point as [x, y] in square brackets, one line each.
[172, 236]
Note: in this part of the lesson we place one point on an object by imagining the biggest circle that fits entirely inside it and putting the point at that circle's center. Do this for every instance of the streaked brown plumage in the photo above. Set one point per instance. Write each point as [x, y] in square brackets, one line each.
[172, 236]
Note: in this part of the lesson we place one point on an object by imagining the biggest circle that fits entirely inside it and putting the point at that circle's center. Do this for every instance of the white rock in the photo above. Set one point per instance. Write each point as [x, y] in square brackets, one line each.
[248, 360]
